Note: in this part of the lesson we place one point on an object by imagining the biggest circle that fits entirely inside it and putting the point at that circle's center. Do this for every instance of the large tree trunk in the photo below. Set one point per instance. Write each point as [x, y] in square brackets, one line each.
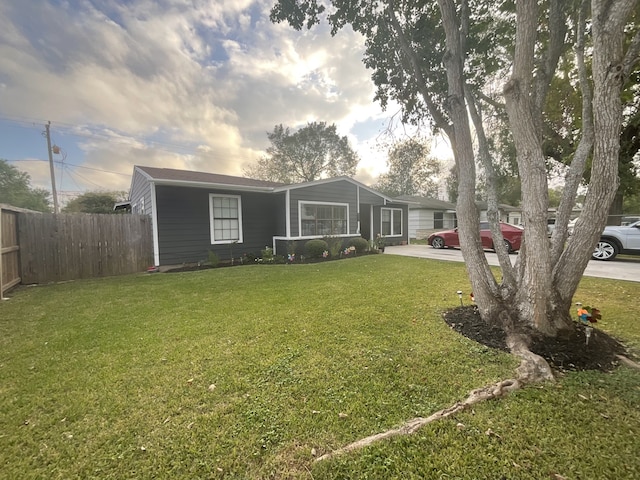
[609, 67]
[533, 294]
[544, 288]
[536, 295]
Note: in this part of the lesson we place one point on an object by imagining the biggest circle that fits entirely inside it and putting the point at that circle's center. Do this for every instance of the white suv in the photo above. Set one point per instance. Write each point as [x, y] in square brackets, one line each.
[615, 240]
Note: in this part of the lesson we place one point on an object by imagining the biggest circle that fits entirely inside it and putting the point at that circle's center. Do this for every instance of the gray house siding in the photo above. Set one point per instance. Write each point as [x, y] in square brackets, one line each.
[184, 233]
[334, 192]
[140, 194]
[370, 198]
[280, 202]
[377, 224]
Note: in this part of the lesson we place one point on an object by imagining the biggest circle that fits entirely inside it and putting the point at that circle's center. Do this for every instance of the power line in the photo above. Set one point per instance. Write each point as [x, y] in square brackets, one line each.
[72, 130]
[59, 162]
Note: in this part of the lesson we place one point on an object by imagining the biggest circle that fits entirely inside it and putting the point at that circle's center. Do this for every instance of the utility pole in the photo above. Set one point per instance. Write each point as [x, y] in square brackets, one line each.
[53, 175]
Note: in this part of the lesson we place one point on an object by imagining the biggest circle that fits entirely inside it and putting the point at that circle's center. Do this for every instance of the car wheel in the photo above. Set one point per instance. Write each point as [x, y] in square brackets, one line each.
[605, 250]
[506, 244]
[437, 242]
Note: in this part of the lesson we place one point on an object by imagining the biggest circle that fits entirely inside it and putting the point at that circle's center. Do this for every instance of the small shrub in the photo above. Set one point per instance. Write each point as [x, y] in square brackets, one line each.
[292, 247]
[267, 255]
[335, 245]
[360, 243]
[378, 242]
[214, 260]
[315, 248]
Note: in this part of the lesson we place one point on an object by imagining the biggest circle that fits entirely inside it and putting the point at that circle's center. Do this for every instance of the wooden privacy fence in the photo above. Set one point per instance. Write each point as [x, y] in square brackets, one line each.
[58, 247]
[9, 248]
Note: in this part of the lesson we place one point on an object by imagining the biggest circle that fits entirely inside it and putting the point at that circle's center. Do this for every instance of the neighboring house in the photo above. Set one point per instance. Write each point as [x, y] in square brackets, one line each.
[427, 215]
[195, 212]
[506, 213]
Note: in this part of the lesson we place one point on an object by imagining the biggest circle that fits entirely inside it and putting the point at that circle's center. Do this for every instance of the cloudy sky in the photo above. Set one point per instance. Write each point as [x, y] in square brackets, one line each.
[192, 84]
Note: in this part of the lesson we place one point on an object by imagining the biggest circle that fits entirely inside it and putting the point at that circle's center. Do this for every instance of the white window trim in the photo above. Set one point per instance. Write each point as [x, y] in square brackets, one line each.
[211, 222]
[302, 203]
[392, 210]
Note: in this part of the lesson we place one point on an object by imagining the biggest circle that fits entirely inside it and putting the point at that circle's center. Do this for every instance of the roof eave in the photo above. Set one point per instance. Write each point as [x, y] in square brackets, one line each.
[226, 186]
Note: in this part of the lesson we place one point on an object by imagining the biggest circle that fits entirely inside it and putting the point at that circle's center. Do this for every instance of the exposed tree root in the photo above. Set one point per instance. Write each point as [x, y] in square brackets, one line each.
[479, 395]
[628, 362]
[533, 368]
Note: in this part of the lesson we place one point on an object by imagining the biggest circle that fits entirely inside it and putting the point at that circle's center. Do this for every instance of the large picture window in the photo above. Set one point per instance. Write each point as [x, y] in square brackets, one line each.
[323, 219]
[391, 219]
[226, 218]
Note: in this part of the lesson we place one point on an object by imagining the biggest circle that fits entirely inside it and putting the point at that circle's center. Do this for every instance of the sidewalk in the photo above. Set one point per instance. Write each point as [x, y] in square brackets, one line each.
[622, 268]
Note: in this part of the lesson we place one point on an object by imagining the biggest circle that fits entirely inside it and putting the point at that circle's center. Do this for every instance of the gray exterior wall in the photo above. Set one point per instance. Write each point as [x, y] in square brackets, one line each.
[280, 201]
[184, 232]
[377, 223]
[332, 192]
[140, 194]
[370, 198]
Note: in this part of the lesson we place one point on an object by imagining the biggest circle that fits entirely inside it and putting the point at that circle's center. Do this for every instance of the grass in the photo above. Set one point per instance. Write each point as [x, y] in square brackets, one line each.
[242, 372]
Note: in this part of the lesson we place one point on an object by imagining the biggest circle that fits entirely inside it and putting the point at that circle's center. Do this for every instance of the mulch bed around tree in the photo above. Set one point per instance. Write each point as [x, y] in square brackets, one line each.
[568, 353]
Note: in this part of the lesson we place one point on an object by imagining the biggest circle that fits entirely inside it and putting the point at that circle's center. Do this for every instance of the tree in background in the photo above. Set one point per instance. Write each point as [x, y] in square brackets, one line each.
[94, 202]
[412, 171]
[15, 190]
[315, 151]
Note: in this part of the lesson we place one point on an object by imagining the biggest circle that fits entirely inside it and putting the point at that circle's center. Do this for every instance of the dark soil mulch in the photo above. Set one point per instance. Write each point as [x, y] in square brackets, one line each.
[226, 263]
[568, 353]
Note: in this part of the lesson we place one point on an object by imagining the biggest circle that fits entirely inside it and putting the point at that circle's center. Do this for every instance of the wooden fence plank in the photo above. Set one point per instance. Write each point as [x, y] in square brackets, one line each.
[57, 247]
[9, 250]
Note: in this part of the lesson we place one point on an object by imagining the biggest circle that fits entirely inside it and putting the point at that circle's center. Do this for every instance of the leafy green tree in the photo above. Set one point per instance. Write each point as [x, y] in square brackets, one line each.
[441, 61]
[93, 202]
[412, 171]
[632, 204]
[555, 196]
[15, 190]
[313, 152]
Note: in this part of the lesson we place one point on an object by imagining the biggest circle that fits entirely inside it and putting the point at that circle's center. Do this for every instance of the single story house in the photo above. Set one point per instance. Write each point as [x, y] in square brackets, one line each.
[196, 212]
[427, 215]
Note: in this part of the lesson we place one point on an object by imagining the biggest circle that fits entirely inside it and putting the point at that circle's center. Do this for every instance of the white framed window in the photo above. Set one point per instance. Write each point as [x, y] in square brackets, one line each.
[323, 219]
[225, 212]
[391, 221]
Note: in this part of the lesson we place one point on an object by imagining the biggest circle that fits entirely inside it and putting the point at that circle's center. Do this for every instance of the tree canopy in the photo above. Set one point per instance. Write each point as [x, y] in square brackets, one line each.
[93, 202]
[16, 190]
[412, 171]
[313, 152]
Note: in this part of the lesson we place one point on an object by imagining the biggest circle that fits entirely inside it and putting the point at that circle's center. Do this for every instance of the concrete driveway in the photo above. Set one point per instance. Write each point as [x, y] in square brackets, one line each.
[622, 268]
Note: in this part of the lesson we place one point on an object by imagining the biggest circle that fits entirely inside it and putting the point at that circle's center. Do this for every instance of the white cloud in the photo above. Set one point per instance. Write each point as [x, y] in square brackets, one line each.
[179, 83]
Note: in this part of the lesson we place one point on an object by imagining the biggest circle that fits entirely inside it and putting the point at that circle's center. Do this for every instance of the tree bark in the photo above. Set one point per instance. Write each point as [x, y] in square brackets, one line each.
[609, 63]
[485, 287]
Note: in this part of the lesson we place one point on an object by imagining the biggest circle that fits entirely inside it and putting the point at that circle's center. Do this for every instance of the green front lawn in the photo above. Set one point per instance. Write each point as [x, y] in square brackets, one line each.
[245, 372]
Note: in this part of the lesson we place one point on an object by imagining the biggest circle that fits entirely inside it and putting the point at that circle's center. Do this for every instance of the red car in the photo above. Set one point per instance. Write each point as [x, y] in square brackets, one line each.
[449, 238]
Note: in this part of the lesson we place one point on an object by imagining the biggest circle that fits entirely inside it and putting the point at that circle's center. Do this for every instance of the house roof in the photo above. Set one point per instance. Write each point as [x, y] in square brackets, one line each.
[188, 177]
[170, 176]
[336, 179]
[426, 202]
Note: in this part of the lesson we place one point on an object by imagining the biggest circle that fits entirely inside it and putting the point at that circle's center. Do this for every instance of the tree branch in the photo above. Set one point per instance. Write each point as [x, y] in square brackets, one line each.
[439, 119]
[632, 56]
[578, 164]
[508, 272]
[557, 33]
